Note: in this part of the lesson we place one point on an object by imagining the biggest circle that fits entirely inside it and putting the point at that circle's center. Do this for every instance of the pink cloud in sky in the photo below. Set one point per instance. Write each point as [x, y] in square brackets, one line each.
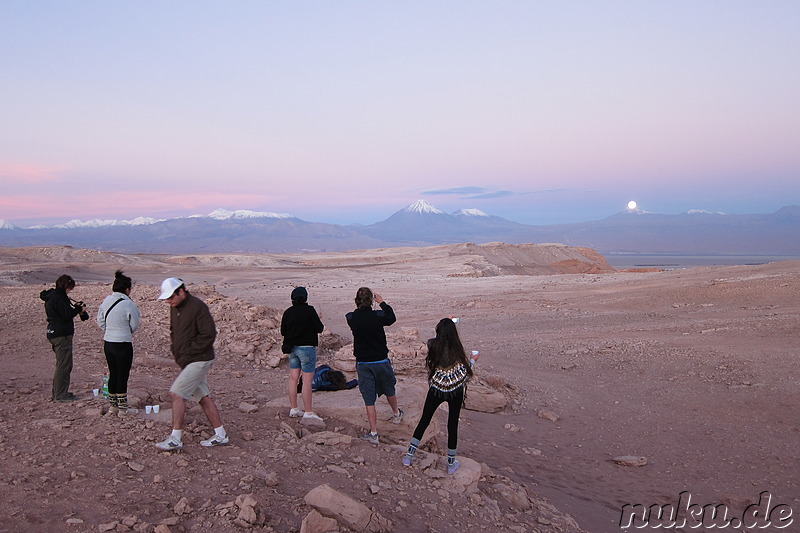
[25, 173]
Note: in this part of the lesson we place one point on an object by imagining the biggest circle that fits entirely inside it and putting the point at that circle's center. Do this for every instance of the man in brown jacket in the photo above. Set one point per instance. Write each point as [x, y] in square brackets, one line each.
[192, 333]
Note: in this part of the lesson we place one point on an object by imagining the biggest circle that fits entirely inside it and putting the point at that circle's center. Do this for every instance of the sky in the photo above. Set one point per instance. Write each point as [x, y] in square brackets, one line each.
[344, 112]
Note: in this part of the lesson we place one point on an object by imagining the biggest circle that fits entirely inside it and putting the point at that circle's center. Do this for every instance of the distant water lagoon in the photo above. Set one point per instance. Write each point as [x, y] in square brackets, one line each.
[673, 261]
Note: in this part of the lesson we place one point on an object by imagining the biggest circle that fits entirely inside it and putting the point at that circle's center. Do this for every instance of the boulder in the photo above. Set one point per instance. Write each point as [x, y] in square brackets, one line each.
[465, 479]
[484, 399]
[346, 510]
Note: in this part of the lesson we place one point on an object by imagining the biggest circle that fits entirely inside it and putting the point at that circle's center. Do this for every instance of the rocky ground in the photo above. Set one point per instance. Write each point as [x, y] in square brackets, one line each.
[583, 376]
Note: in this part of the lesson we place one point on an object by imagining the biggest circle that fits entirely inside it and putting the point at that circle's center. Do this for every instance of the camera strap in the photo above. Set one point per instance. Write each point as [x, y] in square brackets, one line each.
[113, 305]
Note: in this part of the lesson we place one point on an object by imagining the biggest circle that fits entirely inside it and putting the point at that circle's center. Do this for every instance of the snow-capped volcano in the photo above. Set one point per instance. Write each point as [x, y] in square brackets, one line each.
[99, 223]
[470, 213]
[224, 214]
[422, 207]
[4, 224]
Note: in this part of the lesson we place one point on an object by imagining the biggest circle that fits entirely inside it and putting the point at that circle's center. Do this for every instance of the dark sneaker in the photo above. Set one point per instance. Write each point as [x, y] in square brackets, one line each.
[396, 419]
[372, 438]
[68, 398]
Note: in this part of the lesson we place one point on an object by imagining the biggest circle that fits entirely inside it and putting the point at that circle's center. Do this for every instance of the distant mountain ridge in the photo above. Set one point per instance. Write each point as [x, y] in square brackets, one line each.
[422, 224]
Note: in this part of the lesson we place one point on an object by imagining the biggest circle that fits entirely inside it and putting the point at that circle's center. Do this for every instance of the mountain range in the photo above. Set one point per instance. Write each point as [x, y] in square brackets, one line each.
[421, 224]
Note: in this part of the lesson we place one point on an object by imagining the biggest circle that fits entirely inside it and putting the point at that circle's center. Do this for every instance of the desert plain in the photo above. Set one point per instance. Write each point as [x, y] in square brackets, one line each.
[691, 374]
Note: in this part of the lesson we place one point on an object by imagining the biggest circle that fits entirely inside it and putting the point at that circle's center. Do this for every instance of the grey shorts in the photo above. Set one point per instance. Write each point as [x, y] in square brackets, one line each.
[192, 382]
[375, 379]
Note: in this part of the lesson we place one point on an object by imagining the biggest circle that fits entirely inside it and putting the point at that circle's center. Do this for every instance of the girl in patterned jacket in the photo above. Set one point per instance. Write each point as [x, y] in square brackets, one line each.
[449, 369]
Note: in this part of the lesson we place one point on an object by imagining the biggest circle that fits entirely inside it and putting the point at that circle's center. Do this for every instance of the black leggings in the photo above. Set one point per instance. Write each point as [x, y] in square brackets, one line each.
[433, 400]
[119, 356]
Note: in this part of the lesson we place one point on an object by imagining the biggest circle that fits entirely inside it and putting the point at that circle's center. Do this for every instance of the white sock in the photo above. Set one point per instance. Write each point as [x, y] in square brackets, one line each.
[220, 431]
[177, 434]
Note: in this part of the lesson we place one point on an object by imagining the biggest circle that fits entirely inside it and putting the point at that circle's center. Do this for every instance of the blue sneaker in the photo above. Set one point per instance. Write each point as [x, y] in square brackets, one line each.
[451, 468]
[407, 460]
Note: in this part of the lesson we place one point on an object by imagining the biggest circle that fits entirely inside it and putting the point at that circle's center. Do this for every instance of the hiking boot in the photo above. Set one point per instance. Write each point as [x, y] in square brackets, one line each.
[295, 412]
[69, 397]
[407, 460]
[169, 444]
[396, 419]
[372, 438]
[113, 410]
[215, 440]
[451, 468]
[312, 416]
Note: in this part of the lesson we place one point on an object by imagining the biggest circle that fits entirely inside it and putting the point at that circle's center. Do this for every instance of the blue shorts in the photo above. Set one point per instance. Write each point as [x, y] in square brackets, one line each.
[304, 358]
[375, 379]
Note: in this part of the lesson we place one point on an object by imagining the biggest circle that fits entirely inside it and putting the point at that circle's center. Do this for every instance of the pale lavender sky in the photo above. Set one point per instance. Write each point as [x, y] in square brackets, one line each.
[344, 112]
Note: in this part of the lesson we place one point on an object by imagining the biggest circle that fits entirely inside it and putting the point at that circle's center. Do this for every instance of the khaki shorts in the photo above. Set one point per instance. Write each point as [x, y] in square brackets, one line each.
[192, 382]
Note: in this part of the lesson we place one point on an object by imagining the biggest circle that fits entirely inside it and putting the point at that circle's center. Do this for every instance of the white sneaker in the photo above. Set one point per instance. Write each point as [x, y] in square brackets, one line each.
[295, 412]
[312, 416]
[169, 444]
[215, 440]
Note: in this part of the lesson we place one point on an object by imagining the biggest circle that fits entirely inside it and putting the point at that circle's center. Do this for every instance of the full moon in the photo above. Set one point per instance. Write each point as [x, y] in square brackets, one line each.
[631, 205]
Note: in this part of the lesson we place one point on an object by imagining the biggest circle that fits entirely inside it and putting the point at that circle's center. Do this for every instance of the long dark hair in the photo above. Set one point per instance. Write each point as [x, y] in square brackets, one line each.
[121, 282]
[446, 350]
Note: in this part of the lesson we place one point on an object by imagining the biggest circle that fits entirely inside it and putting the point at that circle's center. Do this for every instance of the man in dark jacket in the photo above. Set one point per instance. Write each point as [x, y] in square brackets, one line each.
[60, 329]
[375, 372]
[192, 334]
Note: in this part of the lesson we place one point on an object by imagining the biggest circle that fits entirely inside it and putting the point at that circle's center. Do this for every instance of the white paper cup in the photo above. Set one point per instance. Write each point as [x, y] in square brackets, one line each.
[95, 392]
[148, 408]
[475, 352]
[156, 408]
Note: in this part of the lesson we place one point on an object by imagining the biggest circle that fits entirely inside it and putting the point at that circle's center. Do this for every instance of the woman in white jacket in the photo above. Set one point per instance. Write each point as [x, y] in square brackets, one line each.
[119, 317]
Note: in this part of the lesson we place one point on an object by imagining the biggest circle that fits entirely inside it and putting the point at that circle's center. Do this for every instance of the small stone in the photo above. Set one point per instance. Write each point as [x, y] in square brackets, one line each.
[247, 407]
[136, 467]
[630, 460]
[337, 469]
[548, 415]
[182, 507]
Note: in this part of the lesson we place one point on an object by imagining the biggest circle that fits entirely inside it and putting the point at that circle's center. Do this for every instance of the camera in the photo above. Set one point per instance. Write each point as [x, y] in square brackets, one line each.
[84, 315]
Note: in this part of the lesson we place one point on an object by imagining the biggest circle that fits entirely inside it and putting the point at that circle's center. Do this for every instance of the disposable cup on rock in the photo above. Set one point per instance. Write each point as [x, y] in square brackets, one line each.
[148, 408]
[156, 408]
[95, 392]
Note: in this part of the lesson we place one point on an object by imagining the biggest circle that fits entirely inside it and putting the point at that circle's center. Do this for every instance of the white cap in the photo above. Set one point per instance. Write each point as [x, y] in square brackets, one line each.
[169, 286]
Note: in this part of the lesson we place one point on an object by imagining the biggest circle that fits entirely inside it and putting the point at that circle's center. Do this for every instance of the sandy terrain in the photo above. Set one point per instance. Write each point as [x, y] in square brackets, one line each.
[691, 369]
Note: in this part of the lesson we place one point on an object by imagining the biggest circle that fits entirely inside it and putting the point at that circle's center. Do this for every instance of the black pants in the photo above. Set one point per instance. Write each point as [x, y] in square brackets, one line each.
[119, 356]
[62, 347]
[433, 400]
